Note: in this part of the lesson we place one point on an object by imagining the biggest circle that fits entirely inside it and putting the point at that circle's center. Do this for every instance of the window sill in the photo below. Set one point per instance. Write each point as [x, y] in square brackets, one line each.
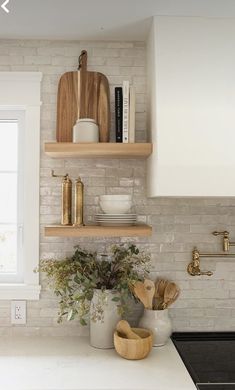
[20, 291]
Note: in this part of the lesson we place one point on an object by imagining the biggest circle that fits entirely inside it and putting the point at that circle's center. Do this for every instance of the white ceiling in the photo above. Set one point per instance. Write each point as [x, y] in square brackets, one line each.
[98, 19]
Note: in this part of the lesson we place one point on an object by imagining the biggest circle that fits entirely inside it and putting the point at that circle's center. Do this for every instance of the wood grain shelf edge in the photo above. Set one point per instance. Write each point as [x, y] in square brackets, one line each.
[97, 150]
[140, 230]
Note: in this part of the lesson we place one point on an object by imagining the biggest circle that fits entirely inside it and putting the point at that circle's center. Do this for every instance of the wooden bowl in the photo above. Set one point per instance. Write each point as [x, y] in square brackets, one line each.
[134, 349]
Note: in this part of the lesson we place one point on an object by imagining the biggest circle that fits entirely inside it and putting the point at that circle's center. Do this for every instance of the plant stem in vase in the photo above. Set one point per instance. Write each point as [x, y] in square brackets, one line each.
[96, 286]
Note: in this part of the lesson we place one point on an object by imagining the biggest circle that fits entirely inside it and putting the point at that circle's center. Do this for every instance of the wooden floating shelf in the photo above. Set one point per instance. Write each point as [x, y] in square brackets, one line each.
[97, 150]
[98, 231]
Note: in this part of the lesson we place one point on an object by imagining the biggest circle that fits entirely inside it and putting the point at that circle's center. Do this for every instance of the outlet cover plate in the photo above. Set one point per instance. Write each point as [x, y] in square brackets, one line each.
[18, 312]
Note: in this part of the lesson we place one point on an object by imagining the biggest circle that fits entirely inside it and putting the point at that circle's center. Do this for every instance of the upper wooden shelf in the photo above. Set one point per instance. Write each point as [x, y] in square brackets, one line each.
[96, 150]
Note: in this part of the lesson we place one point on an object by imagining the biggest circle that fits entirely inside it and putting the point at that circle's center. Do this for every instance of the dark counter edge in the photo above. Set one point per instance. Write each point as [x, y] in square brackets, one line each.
[200, 336]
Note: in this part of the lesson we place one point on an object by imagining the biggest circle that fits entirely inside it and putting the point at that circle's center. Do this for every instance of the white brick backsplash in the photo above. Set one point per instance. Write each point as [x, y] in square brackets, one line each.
[62, 60]
[205, 303]
[118, 80]
[132, 70]
[138, 52]
[59, 51]
[37, 60]
[103, 52]
[121, 45]
[11, 60]
[201, 323]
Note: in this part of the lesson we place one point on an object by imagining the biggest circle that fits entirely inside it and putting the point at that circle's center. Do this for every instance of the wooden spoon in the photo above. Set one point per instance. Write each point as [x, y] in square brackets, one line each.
[149, 287]
[124, 328]
[140, 292]
[170, 295]
[160, 286]
[171, 301]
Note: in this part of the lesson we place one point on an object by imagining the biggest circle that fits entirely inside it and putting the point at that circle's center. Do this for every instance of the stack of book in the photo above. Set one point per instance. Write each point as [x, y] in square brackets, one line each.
[125, 113]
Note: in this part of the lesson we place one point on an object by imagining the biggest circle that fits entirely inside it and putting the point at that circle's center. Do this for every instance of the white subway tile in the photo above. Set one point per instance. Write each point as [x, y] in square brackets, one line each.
[178, 224]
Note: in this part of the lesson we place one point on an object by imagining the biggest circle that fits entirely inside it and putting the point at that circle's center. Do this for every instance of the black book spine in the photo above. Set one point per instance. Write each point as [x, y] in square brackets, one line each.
[118, 113]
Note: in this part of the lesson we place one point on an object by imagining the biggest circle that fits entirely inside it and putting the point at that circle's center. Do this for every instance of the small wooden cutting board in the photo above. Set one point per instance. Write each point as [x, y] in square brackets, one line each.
[82, 94]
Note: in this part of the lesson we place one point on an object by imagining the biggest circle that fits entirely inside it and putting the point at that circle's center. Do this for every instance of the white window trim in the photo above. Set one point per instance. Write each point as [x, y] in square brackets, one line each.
[21, 91]
[17, 116]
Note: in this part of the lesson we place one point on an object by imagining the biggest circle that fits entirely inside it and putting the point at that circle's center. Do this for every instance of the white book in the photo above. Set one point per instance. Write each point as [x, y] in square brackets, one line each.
[132, 116]
[125, 91]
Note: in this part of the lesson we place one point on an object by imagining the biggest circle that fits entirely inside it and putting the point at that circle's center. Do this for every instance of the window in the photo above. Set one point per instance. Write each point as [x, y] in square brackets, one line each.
[19, 184]
[11, 196]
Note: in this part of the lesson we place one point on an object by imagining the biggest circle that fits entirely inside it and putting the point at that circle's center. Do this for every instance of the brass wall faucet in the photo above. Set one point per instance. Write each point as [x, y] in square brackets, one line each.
[194, 266]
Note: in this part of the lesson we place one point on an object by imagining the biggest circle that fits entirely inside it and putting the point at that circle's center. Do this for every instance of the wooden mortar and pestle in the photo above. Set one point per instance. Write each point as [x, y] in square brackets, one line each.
[132, 343]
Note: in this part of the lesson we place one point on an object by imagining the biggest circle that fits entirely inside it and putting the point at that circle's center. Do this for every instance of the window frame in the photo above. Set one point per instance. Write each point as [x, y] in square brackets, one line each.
[20, 91]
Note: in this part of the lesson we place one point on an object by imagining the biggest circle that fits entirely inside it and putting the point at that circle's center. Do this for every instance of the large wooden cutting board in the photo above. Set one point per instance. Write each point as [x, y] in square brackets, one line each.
[82, 94]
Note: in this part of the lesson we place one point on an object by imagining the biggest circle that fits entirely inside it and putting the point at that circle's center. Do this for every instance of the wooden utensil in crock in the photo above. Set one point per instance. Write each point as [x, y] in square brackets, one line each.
[160, 286]
[140, 293]
[171, 293]
[149, 287]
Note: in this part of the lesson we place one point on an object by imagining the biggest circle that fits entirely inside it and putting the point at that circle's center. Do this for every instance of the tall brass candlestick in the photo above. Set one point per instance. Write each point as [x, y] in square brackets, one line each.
[78, 204]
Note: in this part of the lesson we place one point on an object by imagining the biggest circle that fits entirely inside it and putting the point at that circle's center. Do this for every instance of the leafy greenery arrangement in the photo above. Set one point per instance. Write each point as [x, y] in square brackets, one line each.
[75, 279]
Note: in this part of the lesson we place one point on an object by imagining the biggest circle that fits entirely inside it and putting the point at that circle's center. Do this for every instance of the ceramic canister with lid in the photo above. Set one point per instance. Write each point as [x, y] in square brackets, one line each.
[85, 130]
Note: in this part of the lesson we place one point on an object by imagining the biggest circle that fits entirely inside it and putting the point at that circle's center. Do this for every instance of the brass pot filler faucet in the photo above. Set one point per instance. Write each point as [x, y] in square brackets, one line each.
[194, 266]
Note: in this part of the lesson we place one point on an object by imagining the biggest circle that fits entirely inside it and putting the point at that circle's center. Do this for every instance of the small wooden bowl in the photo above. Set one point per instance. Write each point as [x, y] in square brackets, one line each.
[134, 349]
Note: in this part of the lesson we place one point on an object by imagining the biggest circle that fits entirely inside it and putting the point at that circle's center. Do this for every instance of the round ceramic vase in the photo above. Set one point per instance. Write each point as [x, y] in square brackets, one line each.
[85, 130]
[103, 319]
[159, 323]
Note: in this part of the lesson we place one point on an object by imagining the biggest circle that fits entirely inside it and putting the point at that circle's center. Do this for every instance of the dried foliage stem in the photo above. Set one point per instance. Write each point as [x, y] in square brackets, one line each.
[74, 279]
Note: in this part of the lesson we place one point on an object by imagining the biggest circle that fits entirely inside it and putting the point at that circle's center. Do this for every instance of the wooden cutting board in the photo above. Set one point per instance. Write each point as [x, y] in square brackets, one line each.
[82, 94]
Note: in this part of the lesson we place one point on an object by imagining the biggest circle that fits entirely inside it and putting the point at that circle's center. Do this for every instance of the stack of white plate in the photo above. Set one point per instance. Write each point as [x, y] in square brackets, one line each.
[116, 219]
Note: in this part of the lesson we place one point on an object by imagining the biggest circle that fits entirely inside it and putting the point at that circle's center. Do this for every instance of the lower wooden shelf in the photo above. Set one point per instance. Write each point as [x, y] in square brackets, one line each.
[98, 231]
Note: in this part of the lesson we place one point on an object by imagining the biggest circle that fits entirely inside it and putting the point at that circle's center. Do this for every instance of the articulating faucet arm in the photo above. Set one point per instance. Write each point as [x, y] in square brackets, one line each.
[194, 267]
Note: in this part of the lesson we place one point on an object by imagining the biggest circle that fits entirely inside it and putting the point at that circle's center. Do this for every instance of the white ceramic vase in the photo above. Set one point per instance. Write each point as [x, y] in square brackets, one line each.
[103, 319]
[159, 323]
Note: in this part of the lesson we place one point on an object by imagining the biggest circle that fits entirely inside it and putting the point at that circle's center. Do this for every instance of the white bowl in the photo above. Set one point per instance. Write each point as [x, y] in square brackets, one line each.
[115, 207]
[115, 197]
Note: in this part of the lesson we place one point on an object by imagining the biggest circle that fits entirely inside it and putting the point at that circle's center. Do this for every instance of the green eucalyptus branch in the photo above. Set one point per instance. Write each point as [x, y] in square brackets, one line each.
[74, 279]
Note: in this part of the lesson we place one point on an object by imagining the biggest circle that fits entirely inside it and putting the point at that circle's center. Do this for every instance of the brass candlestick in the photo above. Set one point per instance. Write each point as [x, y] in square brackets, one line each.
[66, 201]
[78, 204]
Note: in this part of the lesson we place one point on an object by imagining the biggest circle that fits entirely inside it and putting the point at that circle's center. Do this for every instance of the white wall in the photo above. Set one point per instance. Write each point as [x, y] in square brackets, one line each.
[193, 122]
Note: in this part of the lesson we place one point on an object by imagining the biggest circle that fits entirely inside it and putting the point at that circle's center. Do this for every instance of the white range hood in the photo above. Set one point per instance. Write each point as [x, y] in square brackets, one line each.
[191, 87]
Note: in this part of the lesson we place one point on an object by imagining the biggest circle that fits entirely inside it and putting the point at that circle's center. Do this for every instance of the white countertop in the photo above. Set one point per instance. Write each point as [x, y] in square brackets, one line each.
[29, 363]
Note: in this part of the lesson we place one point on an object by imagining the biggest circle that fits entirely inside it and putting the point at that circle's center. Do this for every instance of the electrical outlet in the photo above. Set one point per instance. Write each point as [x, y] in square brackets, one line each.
[18, 312]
